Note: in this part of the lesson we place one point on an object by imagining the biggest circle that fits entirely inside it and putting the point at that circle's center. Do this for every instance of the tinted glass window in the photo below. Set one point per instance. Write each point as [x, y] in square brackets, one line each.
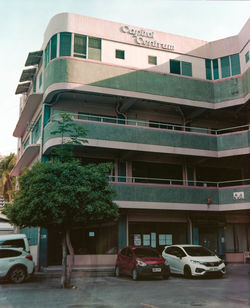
[247, 57]
[65, 44]
[169, 250]
[94, 48]
[216, 69]
[7, 253]
[143, 252]
[198, 251]
[53, 46]
[186, 68]
[179, 252]
[175, 67]
[18, 243]
[80, 46]
[152, 60]
[208, 69]
[225, 67]
[120, 54]
[235, 64]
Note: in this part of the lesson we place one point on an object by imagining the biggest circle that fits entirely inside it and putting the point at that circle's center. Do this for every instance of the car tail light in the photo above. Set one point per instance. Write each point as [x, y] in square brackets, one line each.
[29, 257]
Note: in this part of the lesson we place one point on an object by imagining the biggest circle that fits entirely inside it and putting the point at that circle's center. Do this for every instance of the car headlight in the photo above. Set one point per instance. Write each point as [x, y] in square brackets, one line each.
[141, 263]
[197, 262]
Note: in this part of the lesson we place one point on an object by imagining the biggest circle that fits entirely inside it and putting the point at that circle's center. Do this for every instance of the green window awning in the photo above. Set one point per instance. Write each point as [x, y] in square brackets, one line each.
[27, 74]
[34, 58]
[22, 87]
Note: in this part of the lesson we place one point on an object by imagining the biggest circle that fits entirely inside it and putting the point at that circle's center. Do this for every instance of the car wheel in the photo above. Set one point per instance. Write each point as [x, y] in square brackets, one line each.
[134, 274]
[117, 272]
[187, 272]
[17, 274]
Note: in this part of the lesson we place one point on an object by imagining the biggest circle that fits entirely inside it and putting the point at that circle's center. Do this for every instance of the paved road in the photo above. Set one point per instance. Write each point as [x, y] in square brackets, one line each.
[232, 291]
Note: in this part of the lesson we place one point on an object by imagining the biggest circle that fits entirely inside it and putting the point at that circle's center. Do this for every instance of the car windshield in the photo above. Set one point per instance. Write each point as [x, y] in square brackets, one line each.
[198, 251]
[146, 252]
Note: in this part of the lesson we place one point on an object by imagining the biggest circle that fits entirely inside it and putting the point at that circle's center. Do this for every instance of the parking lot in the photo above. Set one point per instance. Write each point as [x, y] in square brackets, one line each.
[110, 292]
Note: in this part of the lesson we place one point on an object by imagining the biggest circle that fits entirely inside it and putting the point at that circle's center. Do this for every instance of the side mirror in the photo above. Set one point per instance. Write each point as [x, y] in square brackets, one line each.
[179, 255]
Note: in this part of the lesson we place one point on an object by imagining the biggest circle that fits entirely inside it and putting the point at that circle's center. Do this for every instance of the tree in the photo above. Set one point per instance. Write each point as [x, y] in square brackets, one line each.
[63, 195]
[7, 183]
[75, 135]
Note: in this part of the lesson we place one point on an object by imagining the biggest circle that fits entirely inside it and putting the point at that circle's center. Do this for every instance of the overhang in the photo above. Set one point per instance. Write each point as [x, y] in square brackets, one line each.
[22, 87]
[26, 159]
[27, 74]
[29, 109]
[34, 58]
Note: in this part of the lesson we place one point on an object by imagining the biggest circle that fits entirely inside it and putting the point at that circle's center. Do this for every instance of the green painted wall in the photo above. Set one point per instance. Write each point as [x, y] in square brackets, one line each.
[181, 194]
[157, 193]
[124, 133]
[107, 76]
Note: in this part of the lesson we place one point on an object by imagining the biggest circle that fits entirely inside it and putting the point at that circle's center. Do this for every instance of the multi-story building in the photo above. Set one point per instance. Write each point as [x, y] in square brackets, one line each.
[172, 113]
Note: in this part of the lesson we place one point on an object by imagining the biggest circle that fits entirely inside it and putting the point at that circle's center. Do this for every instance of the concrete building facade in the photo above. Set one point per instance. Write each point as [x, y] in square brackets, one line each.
[172, 113]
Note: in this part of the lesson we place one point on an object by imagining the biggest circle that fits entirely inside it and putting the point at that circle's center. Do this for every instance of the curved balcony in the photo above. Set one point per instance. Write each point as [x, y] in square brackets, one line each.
[69, 74]
[29, 154]
[30, 107]
[199, 197]
[197, 142]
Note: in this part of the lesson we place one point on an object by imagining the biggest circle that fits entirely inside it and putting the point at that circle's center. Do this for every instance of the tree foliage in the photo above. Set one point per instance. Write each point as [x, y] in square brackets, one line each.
[63, 195]
[7, 183]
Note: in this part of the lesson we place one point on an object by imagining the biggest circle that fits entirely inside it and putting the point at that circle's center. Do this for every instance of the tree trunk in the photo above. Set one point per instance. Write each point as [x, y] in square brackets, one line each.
[71, 256]
[64, 262]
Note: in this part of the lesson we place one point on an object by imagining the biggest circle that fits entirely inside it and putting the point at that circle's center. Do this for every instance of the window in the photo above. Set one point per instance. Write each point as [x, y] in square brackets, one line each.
[175, 67]
[186, 68]
[8, 253]
[36, 132]
[225, 67]
[16, 243]
[208, 69]
[27, 142]
[119, 54]
[47, 54]
[65, 44]
[247, 57]
[181, 67]
[80, 44]
[152, 60]
[53, 46]
[34, 85]
[94, 48]
[40, 79]
[216, 69]
[235, 64]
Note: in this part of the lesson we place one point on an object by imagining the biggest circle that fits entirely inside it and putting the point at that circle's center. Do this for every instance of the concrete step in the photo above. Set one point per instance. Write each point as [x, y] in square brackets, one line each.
[78, 271]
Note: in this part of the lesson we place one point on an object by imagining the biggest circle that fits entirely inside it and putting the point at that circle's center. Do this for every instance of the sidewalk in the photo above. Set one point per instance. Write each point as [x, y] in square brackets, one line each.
[104, 271]
[78, 271]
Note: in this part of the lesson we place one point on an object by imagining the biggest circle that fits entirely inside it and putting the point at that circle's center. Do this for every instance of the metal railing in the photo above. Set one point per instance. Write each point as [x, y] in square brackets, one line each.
[181, 182]
[168, 126]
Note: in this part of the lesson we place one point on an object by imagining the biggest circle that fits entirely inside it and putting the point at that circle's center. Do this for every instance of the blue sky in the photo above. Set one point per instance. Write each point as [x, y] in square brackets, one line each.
[23, 22]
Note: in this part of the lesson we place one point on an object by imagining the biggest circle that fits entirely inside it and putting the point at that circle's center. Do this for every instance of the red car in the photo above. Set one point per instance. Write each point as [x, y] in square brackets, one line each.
[138, 261]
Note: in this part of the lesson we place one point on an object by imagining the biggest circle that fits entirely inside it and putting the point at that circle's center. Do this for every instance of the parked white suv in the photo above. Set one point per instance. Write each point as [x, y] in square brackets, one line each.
[193, 260]
[15, 264]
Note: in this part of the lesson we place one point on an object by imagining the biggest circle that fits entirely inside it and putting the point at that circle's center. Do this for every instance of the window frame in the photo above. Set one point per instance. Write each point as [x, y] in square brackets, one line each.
[117, 54]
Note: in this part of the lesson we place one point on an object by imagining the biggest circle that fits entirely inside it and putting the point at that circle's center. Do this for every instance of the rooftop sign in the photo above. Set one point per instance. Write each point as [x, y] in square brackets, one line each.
[146, 38]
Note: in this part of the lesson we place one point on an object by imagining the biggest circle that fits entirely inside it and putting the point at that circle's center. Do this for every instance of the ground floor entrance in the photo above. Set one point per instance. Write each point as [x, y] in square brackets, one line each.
[226, 234]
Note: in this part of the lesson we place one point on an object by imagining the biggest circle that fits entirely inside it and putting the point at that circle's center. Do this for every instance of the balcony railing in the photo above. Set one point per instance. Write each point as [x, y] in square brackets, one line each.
[180, 182]
[151, 124]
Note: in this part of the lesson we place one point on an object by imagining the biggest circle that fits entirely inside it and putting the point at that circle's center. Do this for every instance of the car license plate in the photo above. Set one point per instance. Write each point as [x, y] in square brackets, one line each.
[212, 269]
[156, 269]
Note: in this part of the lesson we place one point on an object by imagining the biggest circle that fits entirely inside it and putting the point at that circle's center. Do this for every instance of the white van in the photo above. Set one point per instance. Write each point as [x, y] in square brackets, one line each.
[15, 241]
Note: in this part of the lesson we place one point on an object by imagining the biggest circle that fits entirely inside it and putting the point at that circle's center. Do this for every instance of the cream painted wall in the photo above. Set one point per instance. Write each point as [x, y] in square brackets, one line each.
[137, 57]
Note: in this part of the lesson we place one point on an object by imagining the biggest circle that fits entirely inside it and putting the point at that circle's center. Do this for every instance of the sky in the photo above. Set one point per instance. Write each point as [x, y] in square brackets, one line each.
[23, 23]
